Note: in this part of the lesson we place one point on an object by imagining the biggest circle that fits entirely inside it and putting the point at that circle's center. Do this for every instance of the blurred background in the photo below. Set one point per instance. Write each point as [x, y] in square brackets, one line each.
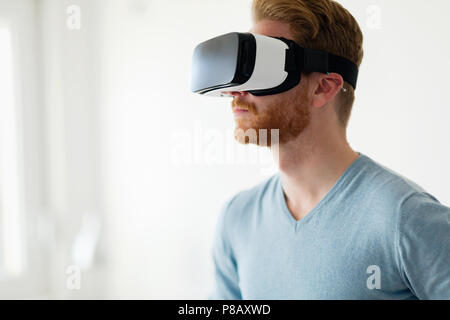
[112, 173]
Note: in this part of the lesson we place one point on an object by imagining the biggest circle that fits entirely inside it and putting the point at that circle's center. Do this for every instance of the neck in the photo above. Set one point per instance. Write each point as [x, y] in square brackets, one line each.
[310, 165]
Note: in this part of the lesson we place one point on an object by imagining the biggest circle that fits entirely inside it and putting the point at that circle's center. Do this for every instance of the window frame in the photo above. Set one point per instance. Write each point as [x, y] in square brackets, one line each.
[20, 18]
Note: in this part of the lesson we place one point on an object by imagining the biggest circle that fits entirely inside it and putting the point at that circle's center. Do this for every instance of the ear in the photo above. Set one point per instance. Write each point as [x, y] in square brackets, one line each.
[326, 88]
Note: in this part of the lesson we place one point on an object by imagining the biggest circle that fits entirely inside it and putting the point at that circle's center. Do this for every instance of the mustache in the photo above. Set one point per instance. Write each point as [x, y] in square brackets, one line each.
[239, 103]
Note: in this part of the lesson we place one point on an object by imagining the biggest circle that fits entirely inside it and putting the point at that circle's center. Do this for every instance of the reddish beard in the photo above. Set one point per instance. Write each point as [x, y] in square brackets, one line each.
[290, 116]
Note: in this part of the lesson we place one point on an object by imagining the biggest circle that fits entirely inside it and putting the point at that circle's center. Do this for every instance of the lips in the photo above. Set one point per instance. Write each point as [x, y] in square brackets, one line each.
[241, 107]
[238, 111]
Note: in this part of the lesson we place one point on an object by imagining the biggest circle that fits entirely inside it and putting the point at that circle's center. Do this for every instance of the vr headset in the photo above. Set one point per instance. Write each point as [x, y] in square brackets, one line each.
[259, 65]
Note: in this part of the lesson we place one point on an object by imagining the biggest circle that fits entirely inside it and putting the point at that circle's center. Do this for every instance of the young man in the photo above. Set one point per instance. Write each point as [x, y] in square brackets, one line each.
[333, 223]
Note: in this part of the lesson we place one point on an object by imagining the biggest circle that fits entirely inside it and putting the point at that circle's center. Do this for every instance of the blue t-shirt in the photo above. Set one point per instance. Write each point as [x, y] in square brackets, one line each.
[375, 235]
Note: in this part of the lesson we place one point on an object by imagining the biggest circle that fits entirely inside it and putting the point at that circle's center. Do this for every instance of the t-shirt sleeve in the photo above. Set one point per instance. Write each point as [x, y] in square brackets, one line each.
[226, 284]
[424, 246]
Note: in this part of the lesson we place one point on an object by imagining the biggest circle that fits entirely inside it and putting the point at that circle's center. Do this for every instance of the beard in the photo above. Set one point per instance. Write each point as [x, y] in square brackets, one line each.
[290, 116]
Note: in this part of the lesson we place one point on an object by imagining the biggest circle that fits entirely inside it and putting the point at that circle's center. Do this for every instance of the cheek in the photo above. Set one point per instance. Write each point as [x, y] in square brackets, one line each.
[264, 103]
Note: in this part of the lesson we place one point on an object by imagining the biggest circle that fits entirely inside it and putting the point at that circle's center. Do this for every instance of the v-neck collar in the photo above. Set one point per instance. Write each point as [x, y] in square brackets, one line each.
[296, 224]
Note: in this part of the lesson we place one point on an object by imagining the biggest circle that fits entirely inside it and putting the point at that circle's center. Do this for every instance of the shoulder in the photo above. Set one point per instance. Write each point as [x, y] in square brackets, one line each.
[384, 186]
[248, 197]
[397, 200]
[409, 195]
[383, 197]
[240, 206]
[424, 214]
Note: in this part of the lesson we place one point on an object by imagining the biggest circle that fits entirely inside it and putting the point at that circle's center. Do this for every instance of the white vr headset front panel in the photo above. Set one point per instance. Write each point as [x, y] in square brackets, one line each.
[269, 67]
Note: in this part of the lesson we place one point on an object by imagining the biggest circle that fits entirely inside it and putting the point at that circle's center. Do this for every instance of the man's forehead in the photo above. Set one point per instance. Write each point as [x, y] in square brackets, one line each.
[272, 29]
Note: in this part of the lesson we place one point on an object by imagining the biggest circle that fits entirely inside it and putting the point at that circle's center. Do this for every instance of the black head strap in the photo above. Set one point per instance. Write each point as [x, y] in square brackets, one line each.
[312, 60]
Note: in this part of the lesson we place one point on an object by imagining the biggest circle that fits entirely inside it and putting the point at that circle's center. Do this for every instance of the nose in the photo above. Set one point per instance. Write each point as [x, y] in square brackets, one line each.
[238, 93]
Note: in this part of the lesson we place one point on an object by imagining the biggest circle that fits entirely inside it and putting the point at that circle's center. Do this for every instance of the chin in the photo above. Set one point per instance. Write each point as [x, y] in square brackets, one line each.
[248, 134]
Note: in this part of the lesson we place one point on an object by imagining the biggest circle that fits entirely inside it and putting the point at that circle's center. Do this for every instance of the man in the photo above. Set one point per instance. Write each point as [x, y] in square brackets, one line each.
[333, 223]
